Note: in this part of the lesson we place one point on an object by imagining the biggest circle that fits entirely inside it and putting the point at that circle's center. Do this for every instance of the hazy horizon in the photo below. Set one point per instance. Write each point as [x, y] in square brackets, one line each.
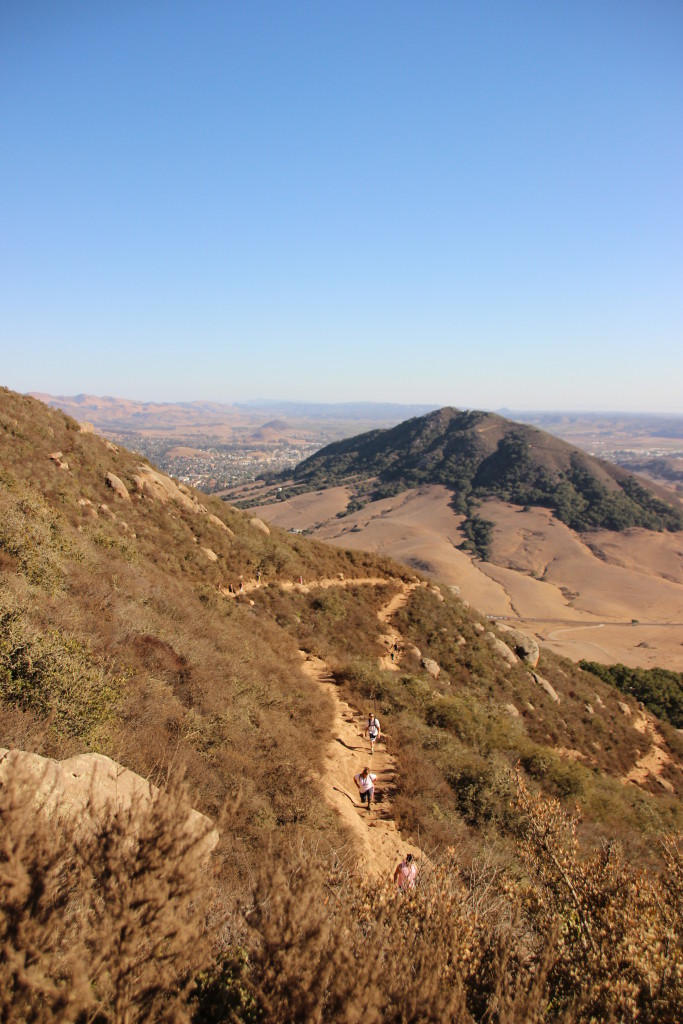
[266, 402]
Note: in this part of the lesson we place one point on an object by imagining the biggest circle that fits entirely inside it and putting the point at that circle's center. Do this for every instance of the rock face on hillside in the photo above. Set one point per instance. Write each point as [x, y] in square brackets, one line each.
[525, 647]
[117, 486]
[161, 488]
[549, 689]
[432, 667]
[258, 524]
[93, 783]
[503, 650]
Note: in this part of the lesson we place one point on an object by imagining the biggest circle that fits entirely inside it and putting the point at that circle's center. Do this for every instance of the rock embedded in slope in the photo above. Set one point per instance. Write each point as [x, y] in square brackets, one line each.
[545, 685]
[220, 524]
[85, 788]
[525, 647]
[117, 486]
[258, 524]
[503, 650]
[161, 488]
[432, 667]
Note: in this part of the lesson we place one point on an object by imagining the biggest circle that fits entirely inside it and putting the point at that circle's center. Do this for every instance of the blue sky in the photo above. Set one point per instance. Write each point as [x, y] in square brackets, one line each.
[477, 204]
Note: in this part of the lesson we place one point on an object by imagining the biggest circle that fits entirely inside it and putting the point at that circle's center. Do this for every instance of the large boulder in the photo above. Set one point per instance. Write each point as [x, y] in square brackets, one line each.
[503, 650]
[117, 486]
[525, 647]
[432, 667]
[220, 524]
[160, 487]
[545, 685]
[84, 788]
[258, 524]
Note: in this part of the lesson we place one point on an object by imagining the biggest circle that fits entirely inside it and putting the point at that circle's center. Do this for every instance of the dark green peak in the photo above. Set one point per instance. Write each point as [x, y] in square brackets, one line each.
[479, 455]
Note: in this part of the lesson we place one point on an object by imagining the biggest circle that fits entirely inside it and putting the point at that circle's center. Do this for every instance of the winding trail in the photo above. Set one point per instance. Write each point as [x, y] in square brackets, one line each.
[375, 834]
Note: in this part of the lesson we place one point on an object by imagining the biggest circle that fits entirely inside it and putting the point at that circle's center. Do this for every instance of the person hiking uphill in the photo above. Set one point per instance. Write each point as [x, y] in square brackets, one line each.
[372, 731]
[365, 781]
[406, 873]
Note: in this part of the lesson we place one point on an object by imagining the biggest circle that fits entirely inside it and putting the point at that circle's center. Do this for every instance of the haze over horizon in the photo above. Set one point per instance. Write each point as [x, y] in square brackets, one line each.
[474, 206]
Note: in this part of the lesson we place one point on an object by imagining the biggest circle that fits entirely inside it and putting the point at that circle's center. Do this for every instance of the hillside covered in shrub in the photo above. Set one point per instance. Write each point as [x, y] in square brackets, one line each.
[478, 455]
[142, 620]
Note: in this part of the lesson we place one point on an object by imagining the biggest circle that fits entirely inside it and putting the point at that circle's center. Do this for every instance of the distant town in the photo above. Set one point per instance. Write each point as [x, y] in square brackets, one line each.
[213, 466]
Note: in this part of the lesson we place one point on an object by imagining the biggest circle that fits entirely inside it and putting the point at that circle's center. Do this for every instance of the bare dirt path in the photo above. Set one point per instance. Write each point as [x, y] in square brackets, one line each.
[347, 752]
[392, 638]
[375, 834]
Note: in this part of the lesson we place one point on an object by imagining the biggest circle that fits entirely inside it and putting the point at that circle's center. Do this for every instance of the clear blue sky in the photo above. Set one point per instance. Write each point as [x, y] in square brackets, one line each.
[477, 204]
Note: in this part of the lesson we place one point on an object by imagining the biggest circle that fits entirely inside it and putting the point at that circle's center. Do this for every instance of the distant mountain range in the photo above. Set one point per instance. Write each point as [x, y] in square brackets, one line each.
[478, 455]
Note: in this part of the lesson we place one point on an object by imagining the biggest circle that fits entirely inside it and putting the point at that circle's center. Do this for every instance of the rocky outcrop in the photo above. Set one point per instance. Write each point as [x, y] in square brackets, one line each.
[511, 710]
[117, 486]
[432, 667]
[525, 647]
[161, 488]
[503, 650]
[57, 459]
[220, 524]
[258, 524]
[84, 788]
[545, 685]
[211, 555]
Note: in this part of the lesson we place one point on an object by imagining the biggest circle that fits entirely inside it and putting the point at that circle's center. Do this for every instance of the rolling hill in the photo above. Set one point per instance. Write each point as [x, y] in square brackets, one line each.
[479, 455]
[147, 622]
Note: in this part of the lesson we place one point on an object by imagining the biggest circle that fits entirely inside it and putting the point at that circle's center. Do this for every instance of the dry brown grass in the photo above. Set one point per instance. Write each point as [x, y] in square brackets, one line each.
[103, 920]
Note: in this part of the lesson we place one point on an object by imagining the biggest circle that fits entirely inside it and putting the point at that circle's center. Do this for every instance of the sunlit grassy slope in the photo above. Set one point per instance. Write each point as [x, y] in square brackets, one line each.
[117, 638]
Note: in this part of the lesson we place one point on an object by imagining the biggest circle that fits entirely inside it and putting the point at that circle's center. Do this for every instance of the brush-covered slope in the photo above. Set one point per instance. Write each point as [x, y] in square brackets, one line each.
[478, 455]
[119, 634]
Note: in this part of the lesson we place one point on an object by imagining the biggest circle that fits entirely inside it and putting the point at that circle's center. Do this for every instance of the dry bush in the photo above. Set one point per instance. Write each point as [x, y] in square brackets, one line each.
[100, 920]
[619, 927]
[321, 947]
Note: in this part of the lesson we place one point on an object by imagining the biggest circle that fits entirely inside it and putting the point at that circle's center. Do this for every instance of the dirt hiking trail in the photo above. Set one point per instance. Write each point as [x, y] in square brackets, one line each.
[374, 832]
[347, 752]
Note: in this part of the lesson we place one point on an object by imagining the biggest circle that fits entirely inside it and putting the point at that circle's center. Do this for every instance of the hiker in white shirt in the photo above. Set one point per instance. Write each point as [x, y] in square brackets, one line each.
[365, 781]
[373, 731]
